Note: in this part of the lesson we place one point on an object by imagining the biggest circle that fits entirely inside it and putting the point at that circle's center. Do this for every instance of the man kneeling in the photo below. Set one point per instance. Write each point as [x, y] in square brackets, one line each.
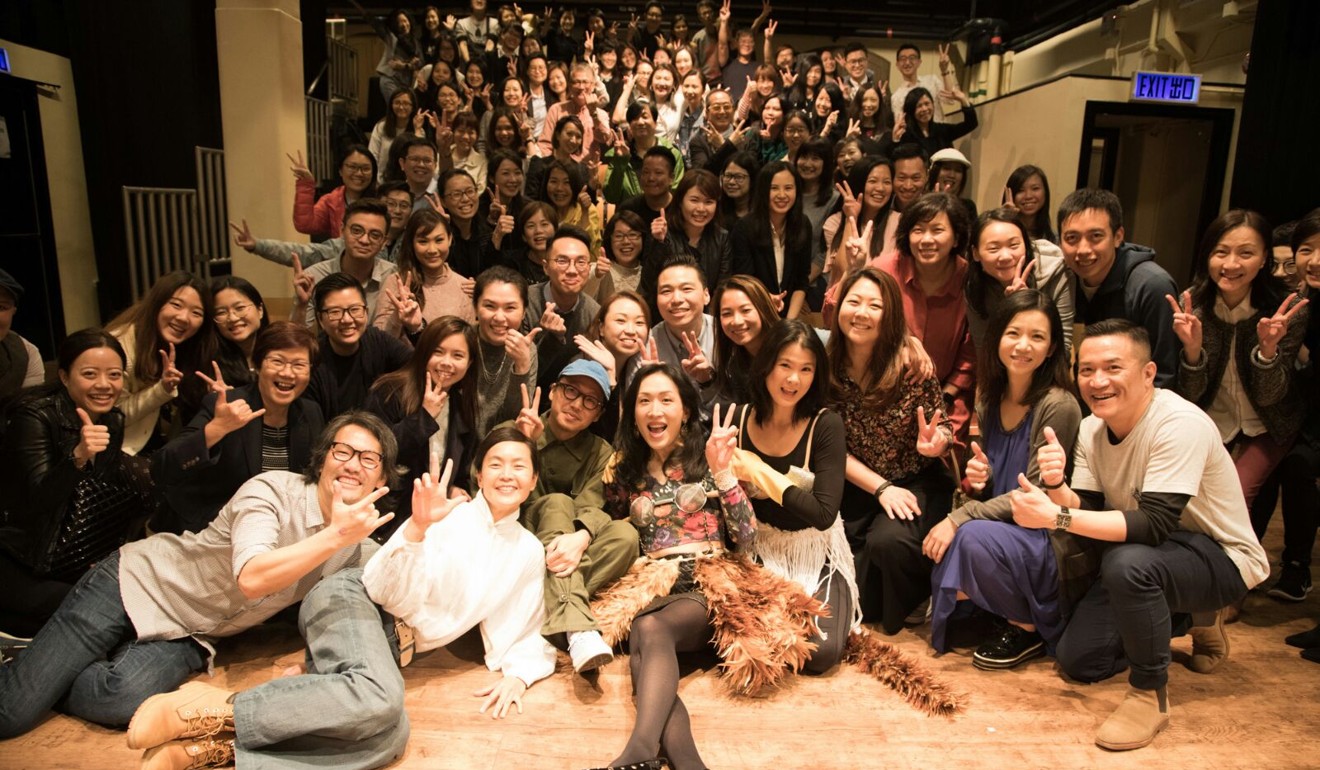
[455, 564]
[1151, 476]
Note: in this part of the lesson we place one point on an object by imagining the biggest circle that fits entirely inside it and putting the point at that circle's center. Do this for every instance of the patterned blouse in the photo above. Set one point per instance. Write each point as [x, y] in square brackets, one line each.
[886, 440]
[725, 513]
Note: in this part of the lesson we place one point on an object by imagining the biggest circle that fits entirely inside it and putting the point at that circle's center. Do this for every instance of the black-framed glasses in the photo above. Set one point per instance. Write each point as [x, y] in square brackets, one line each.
[368, 459]
[573, 393]
[357, 168]
[358, 232]
[356, 312]
[1288, 266]
[582, 264]
[237, 309]
[277, 364]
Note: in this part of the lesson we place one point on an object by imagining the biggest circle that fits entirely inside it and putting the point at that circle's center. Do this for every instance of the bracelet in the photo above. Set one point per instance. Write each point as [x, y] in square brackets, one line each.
[1262, 361]
[1049, 487]
[880, 489]
[725, 480]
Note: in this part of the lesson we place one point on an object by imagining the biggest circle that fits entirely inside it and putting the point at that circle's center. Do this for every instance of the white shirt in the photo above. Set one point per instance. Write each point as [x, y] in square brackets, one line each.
[469, 570]
[1231, 409]
[932, 83]
[1174, 448]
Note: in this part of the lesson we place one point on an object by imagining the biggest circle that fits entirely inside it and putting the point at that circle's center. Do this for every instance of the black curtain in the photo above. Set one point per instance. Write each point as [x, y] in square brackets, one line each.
[1276, 164]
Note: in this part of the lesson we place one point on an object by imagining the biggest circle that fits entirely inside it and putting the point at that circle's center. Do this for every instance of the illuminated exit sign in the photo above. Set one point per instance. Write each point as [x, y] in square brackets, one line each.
[1166, 87]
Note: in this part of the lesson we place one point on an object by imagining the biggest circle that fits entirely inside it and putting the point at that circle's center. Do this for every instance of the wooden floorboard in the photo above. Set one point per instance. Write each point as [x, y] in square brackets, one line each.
[1259, 710]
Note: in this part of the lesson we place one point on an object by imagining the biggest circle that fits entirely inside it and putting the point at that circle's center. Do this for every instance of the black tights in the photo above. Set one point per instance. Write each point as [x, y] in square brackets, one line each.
[662, 721]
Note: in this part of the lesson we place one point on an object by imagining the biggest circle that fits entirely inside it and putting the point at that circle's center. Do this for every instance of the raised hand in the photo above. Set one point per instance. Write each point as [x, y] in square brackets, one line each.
[170, 376]
[1051, 459]
[518, 346]
[1271, 329]
[830, 120]
[696, 364]
[431, 503]
[243, 236]
[450, 22]
[777, 301]
[529, 421]
[406, 304]
[722, 441]
[355, 522]
[978, 468]
[1008, 199]
[900, 128]
[433, 200]
[551, 321]
[788, 77]
[714, 137]
[932, 437]
[854, 127]
[1020, 276]
[768, 127]
[434, 397]
[660, 227]
[588, 41]
[726, 11]
[93, 439]
[419, 122]
[852, 204]
[302, 282]
[944, 53]
[596, 351]
[650, 353]
[603, 263]
[229, 415]
[299, 168]
[1187, 327]
[770, 27]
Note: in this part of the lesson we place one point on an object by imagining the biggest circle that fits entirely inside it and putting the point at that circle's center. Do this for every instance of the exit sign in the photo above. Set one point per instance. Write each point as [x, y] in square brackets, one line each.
[1166, 87]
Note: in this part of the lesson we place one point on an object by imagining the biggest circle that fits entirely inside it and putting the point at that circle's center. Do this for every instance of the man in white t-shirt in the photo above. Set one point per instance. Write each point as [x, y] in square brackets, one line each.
[909, 61]
[1152, 477]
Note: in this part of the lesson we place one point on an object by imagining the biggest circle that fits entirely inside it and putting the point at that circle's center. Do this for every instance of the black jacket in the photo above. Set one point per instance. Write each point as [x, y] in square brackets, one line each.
[754, 254]
[195, 483]
[1135, 290]
[42, 484]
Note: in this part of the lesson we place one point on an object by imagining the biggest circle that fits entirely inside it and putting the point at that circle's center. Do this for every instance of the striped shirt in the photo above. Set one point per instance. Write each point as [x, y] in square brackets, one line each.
[274, 448]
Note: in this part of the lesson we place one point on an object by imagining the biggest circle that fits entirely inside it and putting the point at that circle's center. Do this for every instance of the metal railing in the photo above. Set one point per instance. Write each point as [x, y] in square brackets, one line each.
[170, 229]
[320, 160]
[343, 71]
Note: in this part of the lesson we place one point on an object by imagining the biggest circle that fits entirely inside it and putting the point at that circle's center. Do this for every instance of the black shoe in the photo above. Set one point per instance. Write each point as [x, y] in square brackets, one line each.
[1306, 639]
[1012, 647]
[1293, 585]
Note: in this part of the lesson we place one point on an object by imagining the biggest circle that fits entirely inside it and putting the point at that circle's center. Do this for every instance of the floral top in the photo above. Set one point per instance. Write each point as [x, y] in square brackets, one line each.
[885, 440]
[667, 525]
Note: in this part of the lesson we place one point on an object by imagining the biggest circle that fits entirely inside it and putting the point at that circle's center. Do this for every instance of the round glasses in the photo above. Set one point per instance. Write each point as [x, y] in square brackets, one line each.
[689, 498]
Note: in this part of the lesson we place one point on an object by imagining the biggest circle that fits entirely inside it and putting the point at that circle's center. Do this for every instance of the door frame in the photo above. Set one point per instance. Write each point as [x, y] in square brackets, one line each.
[1221, 134]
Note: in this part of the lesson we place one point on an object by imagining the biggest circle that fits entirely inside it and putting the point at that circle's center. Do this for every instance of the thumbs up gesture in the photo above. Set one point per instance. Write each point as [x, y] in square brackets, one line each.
[978, 468]
[1051, 460]
[93, 439]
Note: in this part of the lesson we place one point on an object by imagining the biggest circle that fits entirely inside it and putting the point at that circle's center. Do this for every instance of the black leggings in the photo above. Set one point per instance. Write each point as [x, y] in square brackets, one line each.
[662, 723]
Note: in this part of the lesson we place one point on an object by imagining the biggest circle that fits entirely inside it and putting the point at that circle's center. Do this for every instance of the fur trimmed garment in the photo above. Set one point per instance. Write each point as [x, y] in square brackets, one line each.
[763, 625]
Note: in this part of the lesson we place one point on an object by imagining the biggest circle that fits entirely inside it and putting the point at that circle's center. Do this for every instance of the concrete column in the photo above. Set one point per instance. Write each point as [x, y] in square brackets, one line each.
[264, 116]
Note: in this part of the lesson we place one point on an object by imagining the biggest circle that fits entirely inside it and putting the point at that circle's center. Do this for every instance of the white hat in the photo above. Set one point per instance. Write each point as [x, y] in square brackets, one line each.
[950, 154]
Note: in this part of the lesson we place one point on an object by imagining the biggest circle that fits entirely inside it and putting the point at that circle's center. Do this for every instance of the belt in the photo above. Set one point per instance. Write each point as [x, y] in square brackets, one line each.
[407, 641]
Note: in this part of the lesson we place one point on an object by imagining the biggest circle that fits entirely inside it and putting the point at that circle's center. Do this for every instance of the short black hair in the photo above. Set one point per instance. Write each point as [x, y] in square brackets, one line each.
[570, 231]
[852, 47]
[926, 208]
[908, 151]
[392, 187]
[333, 283]
[908, 47]
[1122, 327]
[499, 274]
[1282, 235]
[1092, 198]
[505, 434]
[389, 445]
[660, 151]
[681, 260]
[373, 206]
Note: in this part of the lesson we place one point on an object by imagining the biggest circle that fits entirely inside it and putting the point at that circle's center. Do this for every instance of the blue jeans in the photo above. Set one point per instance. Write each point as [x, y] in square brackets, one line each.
[88, 655]
[347, 710]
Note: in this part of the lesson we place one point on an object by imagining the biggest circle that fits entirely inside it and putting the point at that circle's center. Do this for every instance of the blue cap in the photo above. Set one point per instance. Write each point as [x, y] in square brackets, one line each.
[585, 367]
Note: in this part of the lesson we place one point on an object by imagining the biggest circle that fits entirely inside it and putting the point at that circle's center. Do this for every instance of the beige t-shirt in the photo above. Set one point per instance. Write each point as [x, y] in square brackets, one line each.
[1174, 447]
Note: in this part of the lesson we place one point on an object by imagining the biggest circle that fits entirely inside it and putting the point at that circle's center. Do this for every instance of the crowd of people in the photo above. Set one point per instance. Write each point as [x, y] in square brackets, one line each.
[625, 337]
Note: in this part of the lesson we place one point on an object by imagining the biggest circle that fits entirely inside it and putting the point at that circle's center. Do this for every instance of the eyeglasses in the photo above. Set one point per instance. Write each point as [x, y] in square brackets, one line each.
[276, 364]
[357, 168]
[397, 205]
[795, 130]
[908, 58]
[343, 453]
[689, 498]
[735, 177]
[563, 263]
[421, 160]
[1288, 266]
[463, 194]
[236, 309]
[359, 232]
[619, 235]
[572, 393]
[356, 312]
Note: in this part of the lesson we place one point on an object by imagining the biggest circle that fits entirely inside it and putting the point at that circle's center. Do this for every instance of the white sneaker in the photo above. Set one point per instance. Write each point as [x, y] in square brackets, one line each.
[588, 651]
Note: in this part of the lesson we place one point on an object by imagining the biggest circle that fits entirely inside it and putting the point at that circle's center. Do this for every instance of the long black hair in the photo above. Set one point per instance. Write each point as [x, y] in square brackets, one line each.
[797, 230]
[1039, 226]
[978, 281]
[781, 335]
[633, 453]
[1266, 290]
[861, 171]
[1053, 372]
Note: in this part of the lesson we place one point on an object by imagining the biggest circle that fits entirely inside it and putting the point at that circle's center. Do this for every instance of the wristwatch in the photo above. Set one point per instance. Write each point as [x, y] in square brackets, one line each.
[1063, 519]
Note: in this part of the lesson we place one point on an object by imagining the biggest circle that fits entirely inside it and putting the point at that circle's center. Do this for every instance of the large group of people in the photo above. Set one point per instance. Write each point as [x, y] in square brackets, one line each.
[624, 332]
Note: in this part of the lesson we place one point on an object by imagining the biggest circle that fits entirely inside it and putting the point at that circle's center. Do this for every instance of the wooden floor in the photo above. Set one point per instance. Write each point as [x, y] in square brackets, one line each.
[1259, 710]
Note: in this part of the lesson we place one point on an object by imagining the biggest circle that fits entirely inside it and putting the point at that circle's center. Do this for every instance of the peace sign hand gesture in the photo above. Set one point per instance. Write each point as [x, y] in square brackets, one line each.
[529, 421]
[900, 128]
[93, 439]
[431, 503]
[944, 53]
[434, 397]
[243, 237]
[1187, 326]
[852, 204]
[650, 354]
[170, 376]
[1020, 276]
[1271, 329]
[299, 168]
[722, 441]
[696, 364]
[229, 415]
[1008, 199]
[409, 310]
[932, 437]
[302, 282]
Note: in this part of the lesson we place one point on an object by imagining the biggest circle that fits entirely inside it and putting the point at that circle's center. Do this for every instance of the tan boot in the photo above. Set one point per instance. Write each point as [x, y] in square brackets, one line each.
[189, 755]
[1137, 720]
[192, 711]
[1209, 645]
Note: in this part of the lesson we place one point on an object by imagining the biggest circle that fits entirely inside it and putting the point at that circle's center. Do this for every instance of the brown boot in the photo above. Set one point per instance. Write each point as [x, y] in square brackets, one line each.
[192, 711]
[1137, 720]
[1209, 645]
[189, 755]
